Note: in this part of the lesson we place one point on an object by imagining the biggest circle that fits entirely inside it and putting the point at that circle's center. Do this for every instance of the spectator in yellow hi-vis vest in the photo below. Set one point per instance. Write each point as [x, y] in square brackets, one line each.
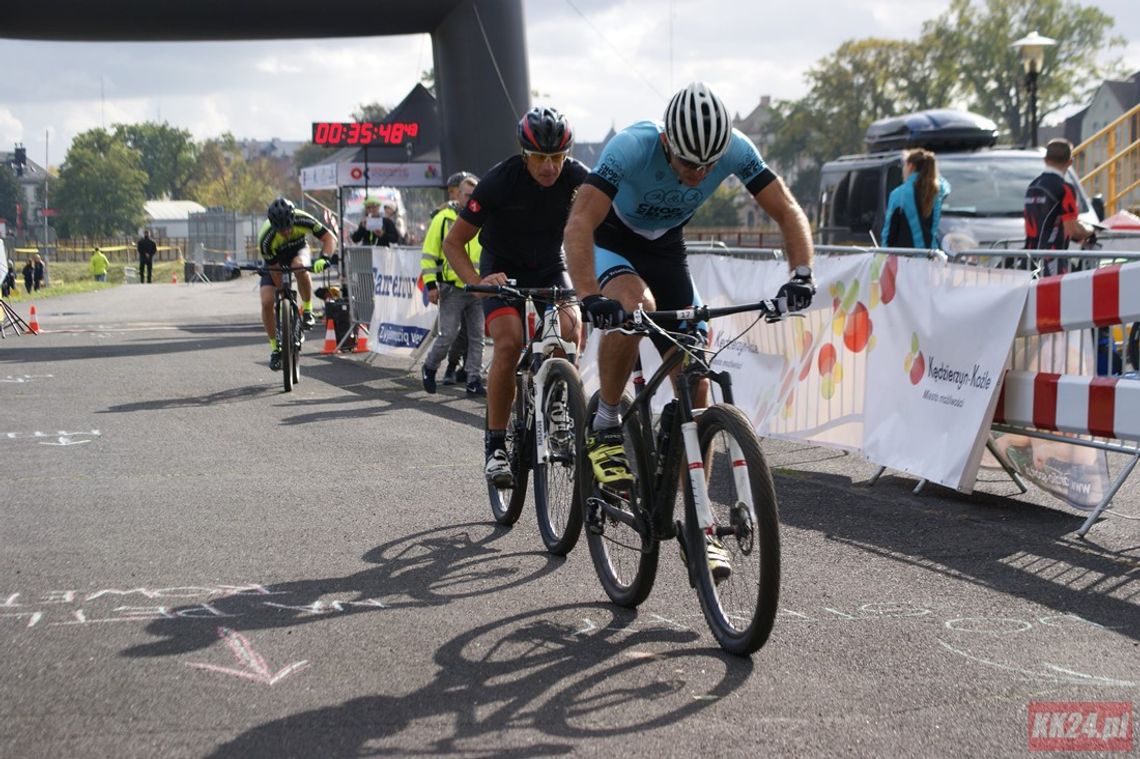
[99, 264]
[460, 312]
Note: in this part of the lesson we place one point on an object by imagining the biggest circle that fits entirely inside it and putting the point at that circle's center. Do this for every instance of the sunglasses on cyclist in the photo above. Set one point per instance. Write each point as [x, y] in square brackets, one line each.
[555, 158]
[704, 167]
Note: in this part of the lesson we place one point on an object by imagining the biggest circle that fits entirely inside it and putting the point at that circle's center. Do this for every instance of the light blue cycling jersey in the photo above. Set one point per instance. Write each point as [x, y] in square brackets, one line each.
[650, 199]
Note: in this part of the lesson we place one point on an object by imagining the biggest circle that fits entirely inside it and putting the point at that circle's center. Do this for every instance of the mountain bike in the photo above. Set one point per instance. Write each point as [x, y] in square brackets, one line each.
[287, 317]
[546, 431]
[713, 458]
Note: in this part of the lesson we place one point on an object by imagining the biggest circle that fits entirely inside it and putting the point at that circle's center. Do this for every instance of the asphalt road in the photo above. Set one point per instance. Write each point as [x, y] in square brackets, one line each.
[193, 563]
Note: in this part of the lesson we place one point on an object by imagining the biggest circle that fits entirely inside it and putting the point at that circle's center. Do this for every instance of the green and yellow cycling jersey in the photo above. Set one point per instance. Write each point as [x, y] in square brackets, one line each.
[276, 247]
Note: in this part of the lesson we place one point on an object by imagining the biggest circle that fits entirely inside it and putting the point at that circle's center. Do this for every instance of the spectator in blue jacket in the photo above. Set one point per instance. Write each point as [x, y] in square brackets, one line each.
[914, 208]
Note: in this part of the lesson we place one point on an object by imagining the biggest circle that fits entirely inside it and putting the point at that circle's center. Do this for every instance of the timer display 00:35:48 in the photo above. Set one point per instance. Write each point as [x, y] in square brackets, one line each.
[363, 133]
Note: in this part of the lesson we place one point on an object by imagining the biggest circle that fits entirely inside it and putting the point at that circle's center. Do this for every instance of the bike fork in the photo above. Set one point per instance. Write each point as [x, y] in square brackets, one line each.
[696, 475]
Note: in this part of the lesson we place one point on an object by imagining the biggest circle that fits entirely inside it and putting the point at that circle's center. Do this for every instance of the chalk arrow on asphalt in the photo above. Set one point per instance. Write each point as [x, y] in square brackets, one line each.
[253, 666]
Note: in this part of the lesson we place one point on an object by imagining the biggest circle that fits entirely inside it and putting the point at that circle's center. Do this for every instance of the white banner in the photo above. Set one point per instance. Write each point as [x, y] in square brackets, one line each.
[944, 343]
[330, 176]
[401, 318]
[900, 358]
[395, 174]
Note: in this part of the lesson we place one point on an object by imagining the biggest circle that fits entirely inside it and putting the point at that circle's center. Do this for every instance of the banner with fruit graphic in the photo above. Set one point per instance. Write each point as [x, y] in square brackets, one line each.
[932, 381]
[899, 359]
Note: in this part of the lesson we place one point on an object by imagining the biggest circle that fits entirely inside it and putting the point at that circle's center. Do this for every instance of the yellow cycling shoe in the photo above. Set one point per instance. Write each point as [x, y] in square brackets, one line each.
[606, 450]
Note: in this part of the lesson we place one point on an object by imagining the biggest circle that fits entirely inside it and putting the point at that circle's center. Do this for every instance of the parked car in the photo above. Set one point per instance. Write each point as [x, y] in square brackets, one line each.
[986, 204]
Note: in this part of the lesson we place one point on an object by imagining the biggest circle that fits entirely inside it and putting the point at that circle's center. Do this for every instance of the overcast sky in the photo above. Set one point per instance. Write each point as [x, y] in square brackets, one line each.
[601, 62]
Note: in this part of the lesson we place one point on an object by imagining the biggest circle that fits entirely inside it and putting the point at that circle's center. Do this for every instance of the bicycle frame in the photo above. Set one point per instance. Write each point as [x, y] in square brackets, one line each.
[677, 433]
[544, 341]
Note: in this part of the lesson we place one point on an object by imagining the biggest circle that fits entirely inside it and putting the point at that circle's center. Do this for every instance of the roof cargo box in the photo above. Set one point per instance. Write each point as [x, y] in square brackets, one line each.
[934, 130]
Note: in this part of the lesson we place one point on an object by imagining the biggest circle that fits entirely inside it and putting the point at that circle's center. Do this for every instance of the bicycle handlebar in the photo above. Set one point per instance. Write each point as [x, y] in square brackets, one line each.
[522, 293]
[772, 309]
[264, 267]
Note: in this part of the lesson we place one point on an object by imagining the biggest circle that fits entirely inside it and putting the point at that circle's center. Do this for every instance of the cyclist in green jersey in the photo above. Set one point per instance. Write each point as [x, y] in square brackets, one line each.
[283, 242]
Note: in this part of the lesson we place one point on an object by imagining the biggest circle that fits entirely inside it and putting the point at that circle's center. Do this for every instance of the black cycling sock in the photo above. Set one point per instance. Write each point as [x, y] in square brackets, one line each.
[494, 440]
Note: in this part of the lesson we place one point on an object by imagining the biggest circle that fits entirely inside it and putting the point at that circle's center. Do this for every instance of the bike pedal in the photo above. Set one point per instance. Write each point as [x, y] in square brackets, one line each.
[594, 521]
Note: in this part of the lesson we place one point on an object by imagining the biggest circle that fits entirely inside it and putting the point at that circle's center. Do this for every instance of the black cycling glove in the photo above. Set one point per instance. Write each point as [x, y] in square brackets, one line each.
[603, 312]
[798, 290]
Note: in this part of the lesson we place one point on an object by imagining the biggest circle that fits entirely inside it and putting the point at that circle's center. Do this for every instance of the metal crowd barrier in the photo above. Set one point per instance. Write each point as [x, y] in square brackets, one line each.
[1068, 393]
[361, 283]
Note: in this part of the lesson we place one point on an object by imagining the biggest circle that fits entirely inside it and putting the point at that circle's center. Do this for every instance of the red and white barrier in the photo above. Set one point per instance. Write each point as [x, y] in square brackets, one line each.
[1098, 298]
[1100, 407]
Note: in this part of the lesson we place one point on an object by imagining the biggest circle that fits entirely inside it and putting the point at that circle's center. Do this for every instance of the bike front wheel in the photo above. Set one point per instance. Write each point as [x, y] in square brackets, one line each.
[625, 560]
[507, 503]
[286, 317]
[740, 609]
[556, 491]
[298, 340]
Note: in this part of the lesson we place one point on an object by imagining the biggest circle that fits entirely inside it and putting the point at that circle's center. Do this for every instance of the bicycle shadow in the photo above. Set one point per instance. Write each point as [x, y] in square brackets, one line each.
[397, 392]
[534, 684]
[430, 568]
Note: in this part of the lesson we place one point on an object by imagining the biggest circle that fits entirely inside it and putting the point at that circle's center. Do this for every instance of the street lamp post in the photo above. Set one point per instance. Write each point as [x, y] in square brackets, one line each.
[1032, 47]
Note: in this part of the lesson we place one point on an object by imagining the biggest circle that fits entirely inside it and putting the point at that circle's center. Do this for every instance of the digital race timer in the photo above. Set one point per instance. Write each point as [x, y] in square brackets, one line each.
[339, 133]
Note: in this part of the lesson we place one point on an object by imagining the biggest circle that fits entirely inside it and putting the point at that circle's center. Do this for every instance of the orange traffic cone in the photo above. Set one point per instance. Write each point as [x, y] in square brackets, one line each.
[361, 339]
[330, 338]
[33, 323]
[173, 279]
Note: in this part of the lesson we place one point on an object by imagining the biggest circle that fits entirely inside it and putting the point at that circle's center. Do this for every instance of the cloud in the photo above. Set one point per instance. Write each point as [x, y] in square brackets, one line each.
[603, 62]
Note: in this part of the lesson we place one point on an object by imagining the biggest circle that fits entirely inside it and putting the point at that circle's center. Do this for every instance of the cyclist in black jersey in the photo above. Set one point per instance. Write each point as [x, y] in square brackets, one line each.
[283, 241]
[519, 210]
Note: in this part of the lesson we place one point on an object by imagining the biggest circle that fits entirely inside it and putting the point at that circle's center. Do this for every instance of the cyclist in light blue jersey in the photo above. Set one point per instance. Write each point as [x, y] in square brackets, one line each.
[625, 244]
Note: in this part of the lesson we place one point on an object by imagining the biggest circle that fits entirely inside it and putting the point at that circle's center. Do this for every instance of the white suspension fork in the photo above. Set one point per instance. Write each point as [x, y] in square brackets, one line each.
[696, 475]
[740, 477]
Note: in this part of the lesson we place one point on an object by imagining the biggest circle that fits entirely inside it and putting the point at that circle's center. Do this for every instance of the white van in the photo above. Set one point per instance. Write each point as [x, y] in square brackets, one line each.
[985, 207]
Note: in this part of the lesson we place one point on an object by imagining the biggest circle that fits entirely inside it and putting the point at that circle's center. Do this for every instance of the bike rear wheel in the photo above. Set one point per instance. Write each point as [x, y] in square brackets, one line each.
[557, 499]
[741, 609]
[507, 503]
[285, 318]
[624, 559]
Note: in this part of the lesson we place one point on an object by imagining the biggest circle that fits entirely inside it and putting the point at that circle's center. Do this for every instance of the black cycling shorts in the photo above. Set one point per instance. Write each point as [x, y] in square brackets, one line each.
[662, 264]
[494, 306]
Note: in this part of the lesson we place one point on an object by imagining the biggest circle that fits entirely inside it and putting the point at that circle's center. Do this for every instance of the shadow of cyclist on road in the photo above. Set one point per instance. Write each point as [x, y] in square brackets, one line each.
[534, 684]
[430, 568]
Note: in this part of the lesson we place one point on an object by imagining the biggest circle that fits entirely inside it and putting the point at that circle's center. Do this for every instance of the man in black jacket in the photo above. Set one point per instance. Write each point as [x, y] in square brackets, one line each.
[146, 249]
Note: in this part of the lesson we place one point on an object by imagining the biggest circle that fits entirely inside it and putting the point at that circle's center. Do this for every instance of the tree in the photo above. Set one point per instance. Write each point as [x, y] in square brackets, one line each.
[719, 210]
[427, 79]
[978, 38]
[101, 189]
[9, 194]
[371, 112]
[222, 177]
[311, 154]
[168, 156]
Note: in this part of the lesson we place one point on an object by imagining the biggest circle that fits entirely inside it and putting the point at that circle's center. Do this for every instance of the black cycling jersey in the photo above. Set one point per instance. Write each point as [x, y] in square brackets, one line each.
[521, 221]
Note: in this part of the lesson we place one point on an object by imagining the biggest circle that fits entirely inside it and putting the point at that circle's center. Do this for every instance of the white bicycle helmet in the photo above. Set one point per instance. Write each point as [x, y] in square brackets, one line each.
[697, 125]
